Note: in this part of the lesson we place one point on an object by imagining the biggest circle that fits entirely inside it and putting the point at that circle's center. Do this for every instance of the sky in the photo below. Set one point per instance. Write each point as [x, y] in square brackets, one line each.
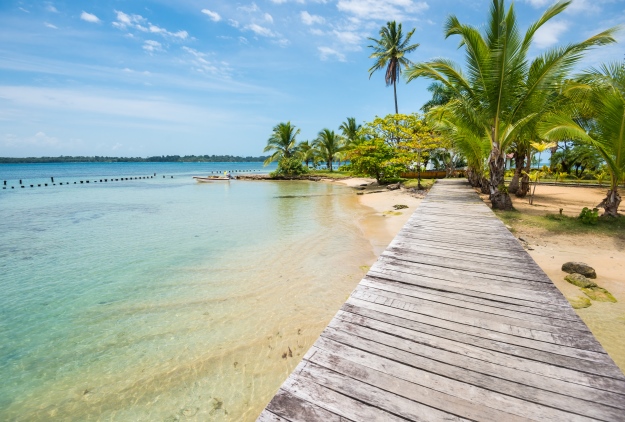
[194, 77]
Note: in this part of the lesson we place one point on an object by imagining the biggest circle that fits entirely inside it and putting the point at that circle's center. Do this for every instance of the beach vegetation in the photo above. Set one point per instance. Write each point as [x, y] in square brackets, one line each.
[503, 93]
[328, 145]
[306, 152]
[282, 142]
[389, 52]
[290, 167]
[598, 121]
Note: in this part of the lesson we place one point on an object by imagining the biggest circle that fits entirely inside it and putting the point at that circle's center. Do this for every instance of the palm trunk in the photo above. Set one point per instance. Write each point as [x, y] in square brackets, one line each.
[395, 92]
[519, 159]
[612, 201]
[499, 197]
[525, 180]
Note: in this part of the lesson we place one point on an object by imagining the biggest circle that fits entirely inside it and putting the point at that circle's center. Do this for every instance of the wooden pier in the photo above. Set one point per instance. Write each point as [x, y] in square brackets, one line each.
[455, 321]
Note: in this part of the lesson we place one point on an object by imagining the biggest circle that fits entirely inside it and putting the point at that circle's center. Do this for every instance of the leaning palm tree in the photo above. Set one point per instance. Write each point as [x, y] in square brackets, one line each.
[390, 51]
[328, 144]
[599, 122]
[282, 142]
[503, 90]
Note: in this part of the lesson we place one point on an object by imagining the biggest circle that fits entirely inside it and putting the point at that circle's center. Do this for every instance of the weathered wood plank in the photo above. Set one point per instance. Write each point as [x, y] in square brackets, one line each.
[605, 370]
[454, 321]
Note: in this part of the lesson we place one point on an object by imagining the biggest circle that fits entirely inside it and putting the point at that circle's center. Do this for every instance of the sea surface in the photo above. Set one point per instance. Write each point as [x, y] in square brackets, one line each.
[163, 299]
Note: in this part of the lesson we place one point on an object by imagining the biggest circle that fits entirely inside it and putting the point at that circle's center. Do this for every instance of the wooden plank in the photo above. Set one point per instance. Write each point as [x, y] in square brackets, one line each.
[267, 416]
[295, 409]
[454, 321]
[484, 333]
[603, 370]
[426, 400]
[523, 371]
[395, 364]
[467, 298]
[462, 309]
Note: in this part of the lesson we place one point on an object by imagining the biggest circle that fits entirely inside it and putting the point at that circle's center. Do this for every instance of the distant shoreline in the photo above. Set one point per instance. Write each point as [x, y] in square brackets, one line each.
[153, 159]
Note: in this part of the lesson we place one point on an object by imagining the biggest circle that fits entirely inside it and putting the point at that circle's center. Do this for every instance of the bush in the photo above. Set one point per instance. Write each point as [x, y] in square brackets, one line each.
[288, 167]
[588, 216]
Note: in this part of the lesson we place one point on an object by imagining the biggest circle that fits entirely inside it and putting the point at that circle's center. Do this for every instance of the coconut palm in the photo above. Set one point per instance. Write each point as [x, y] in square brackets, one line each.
[390, 52]
[328, 144]
[441, 95]
[599, 122]
[306, 151]
[349, 129]
[503, 91]
[282, 142]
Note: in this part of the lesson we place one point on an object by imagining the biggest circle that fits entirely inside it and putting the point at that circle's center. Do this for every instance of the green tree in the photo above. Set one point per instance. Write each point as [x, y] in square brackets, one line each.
[390, 53]
[349, 129]
[441, 95]
[373, 157]
[599, 96]
[503, 90]
[282, 142]
[306, 152]
[328, 144]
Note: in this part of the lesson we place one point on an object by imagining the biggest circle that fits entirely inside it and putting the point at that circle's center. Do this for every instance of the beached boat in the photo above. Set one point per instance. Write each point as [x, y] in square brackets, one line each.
[201, 179]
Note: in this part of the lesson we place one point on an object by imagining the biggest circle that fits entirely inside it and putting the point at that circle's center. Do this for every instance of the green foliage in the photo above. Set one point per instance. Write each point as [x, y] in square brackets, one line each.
[588, 216]
[373, 158]
[289, 167]
[282, 142]
[562, 224]
[328, 145]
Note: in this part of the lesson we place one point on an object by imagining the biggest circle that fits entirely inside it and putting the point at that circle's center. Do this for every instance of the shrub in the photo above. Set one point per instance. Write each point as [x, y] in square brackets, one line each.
[588, 216]
[288, 167]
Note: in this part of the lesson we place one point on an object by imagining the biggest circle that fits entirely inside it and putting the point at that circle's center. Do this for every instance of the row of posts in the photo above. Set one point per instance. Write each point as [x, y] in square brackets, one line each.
[4, 186]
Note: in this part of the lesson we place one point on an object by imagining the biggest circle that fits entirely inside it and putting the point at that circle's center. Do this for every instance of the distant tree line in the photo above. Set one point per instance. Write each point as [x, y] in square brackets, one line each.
[154, 159]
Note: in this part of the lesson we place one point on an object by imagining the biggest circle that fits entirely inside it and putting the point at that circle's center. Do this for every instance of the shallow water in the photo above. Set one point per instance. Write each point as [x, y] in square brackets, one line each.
[163, 299]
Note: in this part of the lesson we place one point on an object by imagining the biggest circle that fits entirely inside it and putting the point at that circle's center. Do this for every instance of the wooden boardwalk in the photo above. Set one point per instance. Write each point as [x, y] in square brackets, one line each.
[455, 321]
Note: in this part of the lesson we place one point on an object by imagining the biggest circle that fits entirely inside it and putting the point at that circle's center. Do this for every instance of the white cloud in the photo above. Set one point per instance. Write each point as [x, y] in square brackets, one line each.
[278, 1]
[23, 10]
[538, 3]
[214, 16]
[549, 33]
[138, 22]
[308, 19]
[249, 9]
[51, 8]
[233, 23]
[260, 30]
[49, 25]
[268, 18]
[243, 40]
[88, 17]
[326, 53]
[316, 31]
[577, 6]
[384, 10]
[347, 37]
[152, 46]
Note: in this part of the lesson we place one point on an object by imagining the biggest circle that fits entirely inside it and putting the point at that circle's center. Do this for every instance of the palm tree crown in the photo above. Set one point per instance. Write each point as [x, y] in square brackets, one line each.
[349, 129]
[328, 144]
[282, 141]
[390, 51]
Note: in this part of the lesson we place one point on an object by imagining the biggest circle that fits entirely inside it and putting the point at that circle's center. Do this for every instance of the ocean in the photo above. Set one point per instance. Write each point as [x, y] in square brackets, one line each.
[163, 299]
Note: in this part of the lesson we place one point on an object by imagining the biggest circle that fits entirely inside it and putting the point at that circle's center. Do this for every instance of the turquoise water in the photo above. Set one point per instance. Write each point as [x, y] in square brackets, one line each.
[164, 299]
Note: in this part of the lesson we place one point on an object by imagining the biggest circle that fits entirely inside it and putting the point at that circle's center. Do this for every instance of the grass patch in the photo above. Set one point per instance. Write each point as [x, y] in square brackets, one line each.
[412, 183]
[331, 174]
[561, 224]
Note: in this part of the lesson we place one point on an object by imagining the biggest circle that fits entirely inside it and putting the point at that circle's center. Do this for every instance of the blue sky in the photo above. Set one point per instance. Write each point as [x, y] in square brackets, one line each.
[140, 78]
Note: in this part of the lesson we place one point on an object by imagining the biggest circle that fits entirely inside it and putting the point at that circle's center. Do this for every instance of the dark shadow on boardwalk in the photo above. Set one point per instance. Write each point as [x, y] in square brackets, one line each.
[454, 322]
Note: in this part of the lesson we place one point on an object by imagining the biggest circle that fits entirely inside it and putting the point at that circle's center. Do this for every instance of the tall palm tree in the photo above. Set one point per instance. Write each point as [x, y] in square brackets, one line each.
[328, 144]
[282, 142]
[390, 51]
[441, 95]
[599, 122]
[503, 91]
[349, 129]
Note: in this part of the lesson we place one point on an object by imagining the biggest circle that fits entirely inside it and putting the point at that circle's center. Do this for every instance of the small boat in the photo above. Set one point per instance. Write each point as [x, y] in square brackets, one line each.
[211, 178]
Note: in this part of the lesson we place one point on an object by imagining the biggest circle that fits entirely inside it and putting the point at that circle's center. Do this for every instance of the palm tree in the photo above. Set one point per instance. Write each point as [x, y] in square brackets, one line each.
[350, 129]
[282, 141]
[599, 122]
[390, 51]
[306, 151]
[441, 95]
[503, 91]
[328, 144]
